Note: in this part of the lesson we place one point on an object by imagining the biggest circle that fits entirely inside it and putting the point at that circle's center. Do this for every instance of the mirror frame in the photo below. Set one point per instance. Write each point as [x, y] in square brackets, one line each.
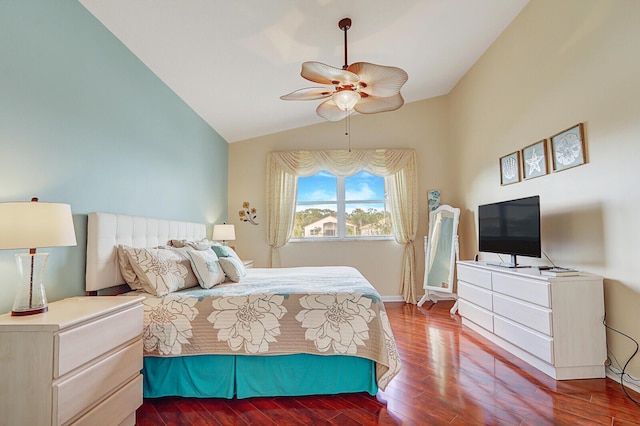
[454, 250]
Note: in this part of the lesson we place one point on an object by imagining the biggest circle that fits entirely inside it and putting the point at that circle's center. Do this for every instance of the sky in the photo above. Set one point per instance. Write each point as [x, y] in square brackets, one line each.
[359, 187]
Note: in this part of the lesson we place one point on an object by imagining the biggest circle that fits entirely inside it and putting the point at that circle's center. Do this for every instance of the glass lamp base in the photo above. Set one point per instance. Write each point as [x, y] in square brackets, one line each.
[25, 312]
[30, 298]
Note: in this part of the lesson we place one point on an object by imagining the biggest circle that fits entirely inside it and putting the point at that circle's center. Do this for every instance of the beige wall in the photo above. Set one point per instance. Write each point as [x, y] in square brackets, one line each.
[421, 126]
[557, 64]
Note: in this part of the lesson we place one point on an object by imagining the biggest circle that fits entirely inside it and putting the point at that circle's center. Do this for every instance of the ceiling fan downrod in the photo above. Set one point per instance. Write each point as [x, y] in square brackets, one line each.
[344, 25]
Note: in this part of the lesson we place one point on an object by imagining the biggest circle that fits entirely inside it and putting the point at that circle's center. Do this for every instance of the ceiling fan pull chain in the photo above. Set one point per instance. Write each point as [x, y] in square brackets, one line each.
[347, 130]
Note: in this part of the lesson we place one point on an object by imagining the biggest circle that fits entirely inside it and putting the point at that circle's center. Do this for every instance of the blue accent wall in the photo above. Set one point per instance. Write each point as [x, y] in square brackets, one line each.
[83, 121]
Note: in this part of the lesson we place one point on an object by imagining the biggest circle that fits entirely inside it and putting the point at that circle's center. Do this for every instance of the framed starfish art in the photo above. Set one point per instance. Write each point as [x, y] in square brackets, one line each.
[534, 160]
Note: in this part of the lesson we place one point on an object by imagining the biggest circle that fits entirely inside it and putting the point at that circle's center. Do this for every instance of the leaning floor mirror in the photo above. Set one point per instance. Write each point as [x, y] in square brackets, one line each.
[441, 251]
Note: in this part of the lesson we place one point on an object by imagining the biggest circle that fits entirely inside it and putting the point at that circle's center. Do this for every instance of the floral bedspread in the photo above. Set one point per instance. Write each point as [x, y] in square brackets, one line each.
[313, 310]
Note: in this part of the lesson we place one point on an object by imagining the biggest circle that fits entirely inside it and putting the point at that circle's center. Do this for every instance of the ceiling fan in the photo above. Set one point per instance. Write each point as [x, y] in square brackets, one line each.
[363, 87]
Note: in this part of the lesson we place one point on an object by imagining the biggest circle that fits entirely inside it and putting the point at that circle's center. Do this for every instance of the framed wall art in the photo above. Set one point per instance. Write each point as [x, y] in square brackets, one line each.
[433, 198]
[510, 168]
[534, 160]
[567, 148]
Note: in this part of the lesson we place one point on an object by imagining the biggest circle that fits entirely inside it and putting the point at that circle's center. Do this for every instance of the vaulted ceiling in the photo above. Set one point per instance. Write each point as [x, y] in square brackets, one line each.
[230, 61]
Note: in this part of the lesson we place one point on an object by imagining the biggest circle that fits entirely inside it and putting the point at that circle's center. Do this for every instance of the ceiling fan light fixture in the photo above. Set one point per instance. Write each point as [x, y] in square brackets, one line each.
[362, 86]
[346, 99]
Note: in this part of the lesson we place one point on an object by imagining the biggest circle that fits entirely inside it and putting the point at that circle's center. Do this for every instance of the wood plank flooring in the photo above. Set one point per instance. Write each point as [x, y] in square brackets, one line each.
[450, 375]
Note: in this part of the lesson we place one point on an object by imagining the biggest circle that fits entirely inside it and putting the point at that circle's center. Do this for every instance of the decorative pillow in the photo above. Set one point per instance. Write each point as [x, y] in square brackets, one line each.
[205, 264]
[160, 271]
[225, 251]
[202, 244]
[191, 280]
[126, 269]
[233, 268]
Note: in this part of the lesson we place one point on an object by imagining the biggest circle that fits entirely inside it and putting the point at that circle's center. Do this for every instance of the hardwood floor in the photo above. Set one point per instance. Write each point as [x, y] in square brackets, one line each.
[450, 375]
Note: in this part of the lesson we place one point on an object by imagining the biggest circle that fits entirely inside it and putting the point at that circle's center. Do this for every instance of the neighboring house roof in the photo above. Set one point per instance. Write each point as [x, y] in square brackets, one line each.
[332, 220]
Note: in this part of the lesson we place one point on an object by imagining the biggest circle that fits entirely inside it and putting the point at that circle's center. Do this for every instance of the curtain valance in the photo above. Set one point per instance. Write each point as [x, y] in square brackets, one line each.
[380, 162]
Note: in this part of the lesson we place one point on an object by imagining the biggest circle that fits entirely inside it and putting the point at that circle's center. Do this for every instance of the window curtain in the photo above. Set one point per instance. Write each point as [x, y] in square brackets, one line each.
[397, 166]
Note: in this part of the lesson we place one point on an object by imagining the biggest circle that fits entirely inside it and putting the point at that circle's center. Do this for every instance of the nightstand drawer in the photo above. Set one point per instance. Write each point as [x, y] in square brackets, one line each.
[80, 345]
[81, 390]
[116, 409]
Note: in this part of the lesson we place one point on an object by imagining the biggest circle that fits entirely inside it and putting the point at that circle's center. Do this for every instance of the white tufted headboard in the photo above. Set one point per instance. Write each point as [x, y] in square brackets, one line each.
[106, 231]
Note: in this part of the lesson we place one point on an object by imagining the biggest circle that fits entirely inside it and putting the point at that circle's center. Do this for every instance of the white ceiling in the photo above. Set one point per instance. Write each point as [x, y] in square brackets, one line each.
[231, 60]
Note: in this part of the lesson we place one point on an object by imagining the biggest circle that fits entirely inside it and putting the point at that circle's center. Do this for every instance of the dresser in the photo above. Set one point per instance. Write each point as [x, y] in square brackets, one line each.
[79, 363]
[553, 323]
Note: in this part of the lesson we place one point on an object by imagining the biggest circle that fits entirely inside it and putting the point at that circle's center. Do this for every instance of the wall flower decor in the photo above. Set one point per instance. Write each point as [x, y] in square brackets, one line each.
[248, 213]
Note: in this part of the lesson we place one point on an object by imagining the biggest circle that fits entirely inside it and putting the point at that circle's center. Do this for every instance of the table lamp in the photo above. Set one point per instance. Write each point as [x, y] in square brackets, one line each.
[225, 232]
[32, 225]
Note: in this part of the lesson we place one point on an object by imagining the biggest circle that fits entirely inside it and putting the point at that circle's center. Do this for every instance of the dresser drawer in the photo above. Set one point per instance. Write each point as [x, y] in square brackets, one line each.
[80, 345]
[536, 344]
[80, 391]
[532, 316]
[538, 292]
[118, 409]
[476, 314]
[476, 295]
[474, 276]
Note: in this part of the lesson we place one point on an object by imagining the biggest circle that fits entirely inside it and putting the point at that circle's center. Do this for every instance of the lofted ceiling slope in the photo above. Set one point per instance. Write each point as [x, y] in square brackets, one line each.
[230, 61]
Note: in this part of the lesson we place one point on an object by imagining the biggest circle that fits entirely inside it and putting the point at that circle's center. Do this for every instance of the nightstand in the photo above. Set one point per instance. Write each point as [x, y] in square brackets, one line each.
[78, 363]
[248, 263]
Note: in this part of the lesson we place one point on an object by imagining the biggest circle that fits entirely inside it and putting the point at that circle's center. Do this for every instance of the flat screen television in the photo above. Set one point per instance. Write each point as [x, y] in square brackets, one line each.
[510, 227]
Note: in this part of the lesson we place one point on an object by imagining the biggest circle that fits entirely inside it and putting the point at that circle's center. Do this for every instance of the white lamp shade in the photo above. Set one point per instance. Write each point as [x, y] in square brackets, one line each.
[224, 232]
[346, 99]
[33, 225]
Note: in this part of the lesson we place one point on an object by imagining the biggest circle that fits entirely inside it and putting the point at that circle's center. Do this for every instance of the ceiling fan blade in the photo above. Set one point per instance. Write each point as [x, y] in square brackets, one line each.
[308, 94]
[330, 111]
[379, 80]
[374, 104]
[325, 74]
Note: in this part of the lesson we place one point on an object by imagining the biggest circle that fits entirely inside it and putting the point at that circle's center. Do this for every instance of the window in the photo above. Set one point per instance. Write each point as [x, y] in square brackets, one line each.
[329, 206]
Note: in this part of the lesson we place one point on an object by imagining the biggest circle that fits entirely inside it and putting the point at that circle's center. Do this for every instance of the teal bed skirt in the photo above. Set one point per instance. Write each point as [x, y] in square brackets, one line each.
[226, 376]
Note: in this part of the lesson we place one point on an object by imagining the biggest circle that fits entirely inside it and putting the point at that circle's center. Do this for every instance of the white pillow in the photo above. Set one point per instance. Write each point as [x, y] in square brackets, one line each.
[225, 251]
[126, 270]
[190, 280]
[160, 271]
[233, 268]
[205, 264]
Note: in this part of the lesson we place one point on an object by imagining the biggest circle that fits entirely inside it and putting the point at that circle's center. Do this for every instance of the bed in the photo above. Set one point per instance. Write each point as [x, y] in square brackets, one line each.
[275, 332]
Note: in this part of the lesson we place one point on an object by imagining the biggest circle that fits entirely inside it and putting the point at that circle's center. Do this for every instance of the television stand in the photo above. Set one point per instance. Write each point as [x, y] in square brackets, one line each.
[513, 264]
[509, 265]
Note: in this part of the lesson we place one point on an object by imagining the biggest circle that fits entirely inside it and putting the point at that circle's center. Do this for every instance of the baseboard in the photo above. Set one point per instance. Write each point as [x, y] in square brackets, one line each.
[616, 378]
[392, 298]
